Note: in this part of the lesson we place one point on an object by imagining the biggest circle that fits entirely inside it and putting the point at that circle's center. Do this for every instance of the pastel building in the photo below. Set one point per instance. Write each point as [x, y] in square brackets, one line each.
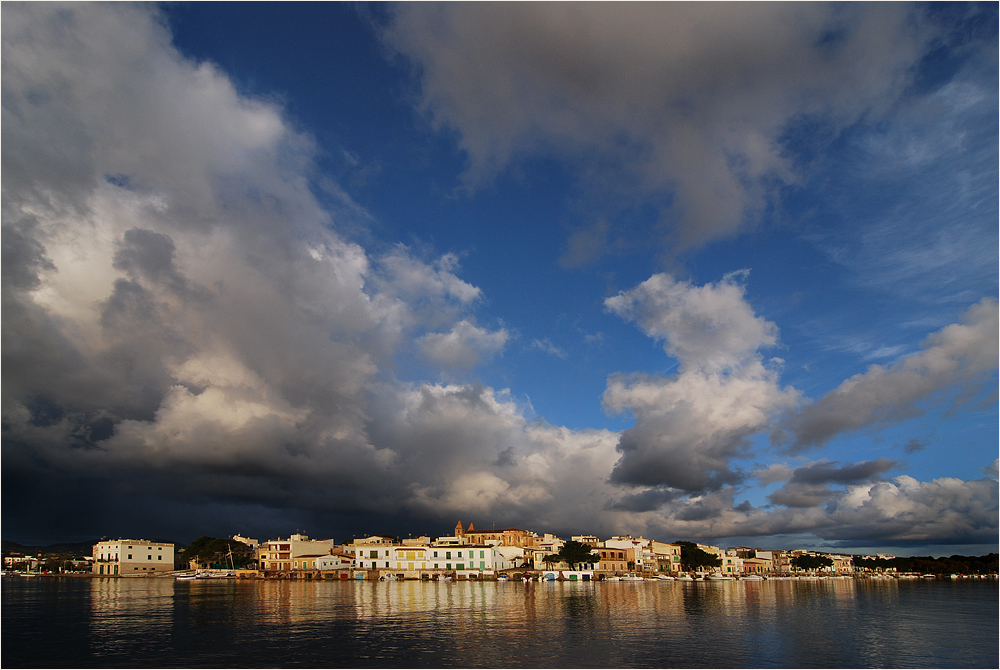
[298, 552]
[132, 557]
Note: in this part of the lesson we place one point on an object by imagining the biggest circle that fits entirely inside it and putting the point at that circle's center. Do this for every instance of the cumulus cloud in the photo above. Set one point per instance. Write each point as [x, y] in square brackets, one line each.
[960, 356]
[182, 317]
[185, 329]
[690, 426]
[898, 511]
[676, 103]
[808, 486]
[464, 347]
[191, 339]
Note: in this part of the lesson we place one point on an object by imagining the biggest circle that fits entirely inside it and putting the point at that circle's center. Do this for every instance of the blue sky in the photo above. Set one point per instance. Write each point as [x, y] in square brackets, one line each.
[687, 271]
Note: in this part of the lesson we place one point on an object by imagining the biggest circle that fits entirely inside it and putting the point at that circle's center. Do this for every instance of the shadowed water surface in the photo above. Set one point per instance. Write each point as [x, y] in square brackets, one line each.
[226, 623]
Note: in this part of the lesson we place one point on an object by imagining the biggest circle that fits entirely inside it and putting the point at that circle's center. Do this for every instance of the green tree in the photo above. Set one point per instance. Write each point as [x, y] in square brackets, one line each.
[693, 558]
[806, 562]
[215, 550]
[572, 553]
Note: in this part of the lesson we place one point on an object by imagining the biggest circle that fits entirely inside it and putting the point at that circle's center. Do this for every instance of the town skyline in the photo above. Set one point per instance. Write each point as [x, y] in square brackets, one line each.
[719, 273]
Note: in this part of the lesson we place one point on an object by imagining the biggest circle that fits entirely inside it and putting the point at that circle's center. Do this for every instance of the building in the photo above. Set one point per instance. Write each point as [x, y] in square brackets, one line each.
[335, 561]
[250, 542]
[667, 557]
[291, 553]
[732, 564]
[413, 562]
[509, 537]
[132, 557]
[616, 559]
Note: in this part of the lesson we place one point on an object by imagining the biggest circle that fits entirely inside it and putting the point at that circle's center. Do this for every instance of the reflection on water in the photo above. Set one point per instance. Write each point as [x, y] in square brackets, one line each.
[228, 623]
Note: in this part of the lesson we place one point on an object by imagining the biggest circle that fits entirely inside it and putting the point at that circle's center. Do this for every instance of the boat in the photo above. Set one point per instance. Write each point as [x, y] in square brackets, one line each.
[928, 576]
[666, 578]
[752, 578]
[685, 578]
[198, 574]
[502, 578]
[444, 578]
[631, 577]
[613, 578]
[719, 577]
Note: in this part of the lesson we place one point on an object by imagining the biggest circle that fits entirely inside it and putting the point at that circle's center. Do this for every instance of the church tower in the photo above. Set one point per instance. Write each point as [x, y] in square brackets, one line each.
[459, 531]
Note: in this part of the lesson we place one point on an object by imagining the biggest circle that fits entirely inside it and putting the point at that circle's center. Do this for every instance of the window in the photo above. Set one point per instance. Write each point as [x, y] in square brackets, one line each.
[435, 555]
[460, 566]
[435, 566]
[447, 554]
[460, 554]
[447, 566]
[373, 554]
[130, 555]
[482, 554]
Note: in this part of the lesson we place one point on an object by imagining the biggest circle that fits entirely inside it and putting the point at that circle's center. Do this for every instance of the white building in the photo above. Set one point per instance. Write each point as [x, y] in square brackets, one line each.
[335, 562]
[411, 561]
[291, 553]
[132, 557]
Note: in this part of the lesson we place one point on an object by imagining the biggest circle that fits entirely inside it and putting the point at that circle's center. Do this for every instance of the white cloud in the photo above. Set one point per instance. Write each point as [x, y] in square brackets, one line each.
[709, 328]
[960, 356]
[689, 427]
[549, 348]
[464, 347]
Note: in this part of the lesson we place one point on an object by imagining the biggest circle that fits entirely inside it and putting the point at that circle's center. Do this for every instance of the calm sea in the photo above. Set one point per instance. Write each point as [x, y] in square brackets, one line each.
[155, 622]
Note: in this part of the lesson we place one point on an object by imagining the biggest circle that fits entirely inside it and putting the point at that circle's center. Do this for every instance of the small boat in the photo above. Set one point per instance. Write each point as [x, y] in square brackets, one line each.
[502, 578]
[752, 578]
[631, 577]
[685, 578]
[928, 576]
[444, 578]
[666, 578]
[613, 578]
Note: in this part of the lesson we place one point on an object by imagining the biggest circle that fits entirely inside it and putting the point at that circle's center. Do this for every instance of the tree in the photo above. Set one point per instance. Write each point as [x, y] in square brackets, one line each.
[693, 558]
[806, 562]
[574, 552]
[214, 550]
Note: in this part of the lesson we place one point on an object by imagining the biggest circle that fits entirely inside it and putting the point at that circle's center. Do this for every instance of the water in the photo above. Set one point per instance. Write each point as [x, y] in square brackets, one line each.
[156, 622]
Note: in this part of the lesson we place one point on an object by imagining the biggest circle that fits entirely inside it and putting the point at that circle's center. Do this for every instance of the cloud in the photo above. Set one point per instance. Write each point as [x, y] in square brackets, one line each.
[690, 426]
[960, 356]
[808, 485]
[464, 347]
[192, 340]
[682, 105]
[184, 321]
[549, 348]
[710, 328]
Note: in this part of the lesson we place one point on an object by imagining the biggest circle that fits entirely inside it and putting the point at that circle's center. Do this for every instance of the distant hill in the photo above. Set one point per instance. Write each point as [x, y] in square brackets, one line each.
[74, 548]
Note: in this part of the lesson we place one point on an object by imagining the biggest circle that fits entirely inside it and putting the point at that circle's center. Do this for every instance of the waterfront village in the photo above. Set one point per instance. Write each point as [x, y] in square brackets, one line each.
[473, 554]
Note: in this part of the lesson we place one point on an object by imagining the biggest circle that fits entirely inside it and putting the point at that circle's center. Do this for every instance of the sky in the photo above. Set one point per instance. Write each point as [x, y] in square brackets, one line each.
[712, 272]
